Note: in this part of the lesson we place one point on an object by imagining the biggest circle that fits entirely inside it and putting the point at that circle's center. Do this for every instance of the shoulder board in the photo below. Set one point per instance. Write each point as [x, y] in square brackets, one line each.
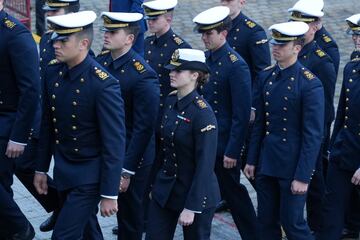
[139, 67]
[308, 75]
[173, 93]
[320, 53]
[53, 62]
[262, 41]
[233, 58]
[9, 24]
[178, 40]
[269, 67]
[326, 39]
[250, 24]
[355, 60]
[201, 104]
[103, 52]
[101, 74]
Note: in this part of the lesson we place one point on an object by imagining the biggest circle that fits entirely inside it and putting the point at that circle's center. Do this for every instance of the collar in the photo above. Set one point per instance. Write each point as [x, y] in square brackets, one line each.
[79, 69]
[287, 72]
[185, 101]
[163, 38]
[320, 32]
[307, 48]
[120, 61]
[223, 50]
[239, 18]
[3, 14]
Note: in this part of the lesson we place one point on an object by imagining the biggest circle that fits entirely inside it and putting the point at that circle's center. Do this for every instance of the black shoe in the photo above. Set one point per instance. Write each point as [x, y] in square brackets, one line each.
[115, 230]
[28, 234]
[49, 223]
[222, 206]
[348, 234]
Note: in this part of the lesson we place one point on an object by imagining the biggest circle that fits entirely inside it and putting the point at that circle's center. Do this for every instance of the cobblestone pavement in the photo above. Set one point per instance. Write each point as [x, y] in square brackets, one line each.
[265, 13]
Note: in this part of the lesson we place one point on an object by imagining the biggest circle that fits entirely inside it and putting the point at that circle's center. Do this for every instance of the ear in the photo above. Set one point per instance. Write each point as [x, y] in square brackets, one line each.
[224, 33]
[84, 44]
[130, 39]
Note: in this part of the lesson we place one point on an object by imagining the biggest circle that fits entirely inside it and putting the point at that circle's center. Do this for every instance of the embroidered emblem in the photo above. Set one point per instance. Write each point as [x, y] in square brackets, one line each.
[54, 61]
[104, 52]
[208, 128]
[250, 24]
[173, 93]
[261, 41]
[139, 67]
[233, 58]
[320, 53]
[101, 74]
[9, 24]
[309, 75]
[269, 67]
[178, 40]
[327, 39]
[201, 104]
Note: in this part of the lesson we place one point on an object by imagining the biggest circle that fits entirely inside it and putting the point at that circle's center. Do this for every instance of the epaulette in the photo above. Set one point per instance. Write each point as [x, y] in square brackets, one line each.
[269, 67]
[178, 40]
[201, 104]
[320, 53]
[101, 74]
[250, 24]
[139, 67]
[355, 59]
[308, 75]
[326, 39]
[9, 24]
[233, 58]
[102, 53]
[53, 62]
[173, 93]
[262, 41]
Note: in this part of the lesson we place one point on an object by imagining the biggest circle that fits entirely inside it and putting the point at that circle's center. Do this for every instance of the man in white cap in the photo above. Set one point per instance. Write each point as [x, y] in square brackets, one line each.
[320, 64]
[140, 91]
[229, 94]
[343, 179]
[83, 121]
[286, 137]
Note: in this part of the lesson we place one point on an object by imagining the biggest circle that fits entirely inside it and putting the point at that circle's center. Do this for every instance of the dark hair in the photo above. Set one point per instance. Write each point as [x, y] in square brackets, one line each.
[202, 79]
[227, 24]
[72, 8]
[134, 30]
[87, 33]
[300, 41]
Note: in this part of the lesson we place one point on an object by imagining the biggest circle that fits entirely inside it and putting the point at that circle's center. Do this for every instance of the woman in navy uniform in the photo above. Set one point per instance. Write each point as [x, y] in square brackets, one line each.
[344, 167]
[185, 190]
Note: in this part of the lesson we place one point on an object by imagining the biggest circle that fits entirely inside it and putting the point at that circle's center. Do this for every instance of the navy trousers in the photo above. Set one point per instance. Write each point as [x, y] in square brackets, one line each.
[131, 208]
[238, 199]
[79, 207]
[12, 220]
[25, 171]
[336, 202]
[162, 224]
[277, 206]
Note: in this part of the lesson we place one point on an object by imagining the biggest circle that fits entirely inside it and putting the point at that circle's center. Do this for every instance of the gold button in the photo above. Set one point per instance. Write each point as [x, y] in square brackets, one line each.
[270, 83]
[161, 55]
[267, 93]
[82, 80]
[289, 87]
[347, 90]
[284, 129]
[165, 45]
[284, 139]
[235, 38]
[122, 71]
[345, 126]
[1, 102]
[53, 109]
[267, 133]
[74, 127]
[57, 142]
[346, 117]
[215, 111]
[75, 139]
[284, 119]
[347, 109]
[77, 91]
[285, 108]
[267, 123]
[60, 73]
[292, 79]
[217, 73]
[53, 96]
[175, 165]
[237, 29]
[354, 71]
[161, 105]
[159, 65]
[273, 73]
[347, 99]
[74, 103]
[160, 76]
[219, 63]
[56, 130]
[177, 122]
[267, 114]
[56, 84]
[73, 116]
[266, 103]
[161, 95]
[54, 120]
[165, 116]
[286, 98]
[162, 126]
[350, 80]
[76, 150]
[149, 52]
[215, 92]
[172, 133]
[216, 102]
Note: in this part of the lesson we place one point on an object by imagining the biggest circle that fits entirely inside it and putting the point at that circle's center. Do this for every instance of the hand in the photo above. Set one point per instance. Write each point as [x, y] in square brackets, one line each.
[186, 218]
[249, 171]
[298, 187]
[14, 150]
[108, 207]
[356, 178]
[40, 183]
[252, 116]
[124, 184]
[229, 162]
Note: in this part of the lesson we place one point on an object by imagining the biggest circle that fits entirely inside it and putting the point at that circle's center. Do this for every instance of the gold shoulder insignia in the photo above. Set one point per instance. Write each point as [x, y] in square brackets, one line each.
[250, 24]
[327, 39]
[320, 53]
[201, 103]
[233, 58]
[173, 93]
[103, 52]
[309, 75]
[269, 67]
[178, 40]
[139, 67]
[9, 24]
[101, 74]
[355, 59]
[54, 61]
[208, 128]
[261, 41]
